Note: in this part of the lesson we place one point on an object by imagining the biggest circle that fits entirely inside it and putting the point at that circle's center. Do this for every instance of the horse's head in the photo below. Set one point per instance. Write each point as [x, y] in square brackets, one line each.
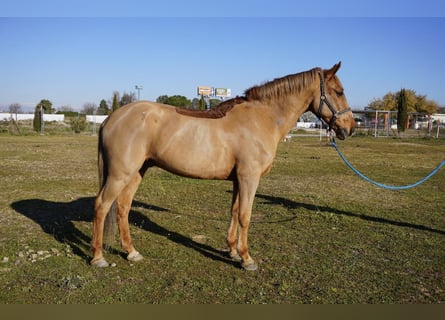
[337, 113]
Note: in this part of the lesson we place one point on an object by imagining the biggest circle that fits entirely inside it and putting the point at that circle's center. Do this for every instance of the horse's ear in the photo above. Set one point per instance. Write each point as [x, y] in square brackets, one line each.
[329, 73]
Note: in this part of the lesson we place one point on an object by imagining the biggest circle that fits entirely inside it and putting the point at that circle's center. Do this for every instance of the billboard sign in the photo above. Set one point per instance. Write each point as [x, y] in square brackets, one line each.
[223, 92]
[205, 90]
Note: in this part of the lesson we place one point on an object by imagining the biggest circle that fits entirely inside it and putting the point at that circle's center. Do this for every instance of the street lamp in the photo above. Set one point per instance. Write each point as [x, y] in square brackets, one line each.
[138, 88]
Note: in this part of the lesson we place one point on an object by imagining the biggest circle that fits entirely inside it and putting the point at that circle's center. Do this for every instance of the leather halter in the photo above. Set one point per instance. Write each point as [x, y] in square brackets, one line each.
[325, 100]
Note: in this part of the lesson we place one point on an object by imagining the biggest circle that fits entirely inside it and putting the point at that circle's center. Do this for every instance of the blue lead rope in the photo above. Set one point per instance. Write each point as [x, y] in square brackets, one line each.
[384, 186]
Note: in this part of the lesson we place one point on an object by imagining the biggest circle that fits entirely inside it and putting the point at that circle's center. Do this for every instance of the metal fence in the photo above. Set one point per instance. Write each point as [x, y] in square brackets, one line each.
[382, 123]
[378, 123]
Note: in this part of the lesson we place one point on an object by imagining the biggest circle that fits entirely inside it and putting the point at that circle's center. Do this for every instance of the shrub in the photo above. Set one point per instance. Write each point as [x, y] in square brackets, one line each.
[78, 124]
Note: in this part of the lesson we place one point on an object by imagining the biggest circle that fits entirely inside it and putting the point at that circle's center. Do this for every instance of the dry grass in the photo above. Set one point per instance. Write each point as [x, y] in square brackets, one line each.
[319, 233]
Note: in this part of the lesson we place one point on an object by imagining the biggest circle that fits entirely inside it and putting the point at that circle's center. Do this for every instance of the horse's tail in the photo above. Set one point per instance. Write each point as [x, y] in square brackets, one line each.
[111, 217]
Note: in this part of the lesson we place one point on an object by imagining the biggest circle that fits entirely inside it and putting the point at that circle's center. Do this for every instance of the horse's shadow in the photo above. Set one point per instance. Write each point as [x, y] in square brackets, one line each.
[290, 204]
[58, 219]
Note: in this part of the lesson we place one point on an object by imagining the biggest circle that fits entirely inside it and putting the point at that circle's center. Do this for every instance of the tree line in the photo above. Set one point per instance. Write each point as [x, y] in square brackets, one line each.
[392, 101]
[414, 102]
[107, 107]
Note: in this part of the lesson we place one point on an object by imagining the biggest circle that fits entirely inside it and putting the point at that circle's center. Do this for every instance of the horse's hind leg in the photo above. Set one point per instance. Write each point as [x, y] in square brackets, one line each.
[232, 235]
[103, 203]
[123, 206]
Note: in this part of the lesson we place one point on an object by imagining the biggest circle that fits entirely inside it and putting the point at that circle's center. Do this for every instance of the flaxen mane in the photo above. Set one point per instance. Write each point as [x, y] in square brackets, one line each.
[290, 84]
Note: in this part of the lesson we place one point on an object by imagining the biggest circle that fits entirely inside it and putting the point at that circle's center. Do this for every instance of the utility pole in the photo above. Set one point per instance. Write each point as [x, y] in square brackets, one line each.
[138, 88]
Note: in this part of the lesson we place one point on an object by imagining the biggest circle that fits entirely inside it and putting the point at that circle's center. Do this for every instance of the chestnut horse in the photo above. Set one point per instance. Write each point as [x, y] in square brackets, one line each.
[235, 142]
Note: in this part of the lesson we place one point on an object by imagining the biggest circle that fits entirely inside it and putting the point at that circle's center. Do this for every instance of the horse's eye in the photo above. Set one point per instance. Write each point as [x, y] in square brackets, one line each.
[339, 93]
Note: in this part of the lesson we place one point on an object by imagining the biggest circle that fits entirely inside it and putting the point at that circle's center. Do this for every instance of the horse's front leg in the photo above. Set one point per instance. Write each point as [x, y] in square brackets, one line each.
[247, 189]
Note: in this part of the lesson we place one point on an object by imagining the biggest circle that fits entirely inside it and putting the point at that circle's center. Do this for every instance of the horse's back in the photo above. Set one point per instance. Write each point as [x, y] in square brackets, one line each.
[135, 112]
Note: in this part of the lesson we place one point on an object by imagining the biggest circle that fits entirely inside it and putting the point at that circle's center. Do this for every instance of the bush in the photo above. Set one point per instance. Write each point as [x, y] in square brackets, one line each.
[78, 124]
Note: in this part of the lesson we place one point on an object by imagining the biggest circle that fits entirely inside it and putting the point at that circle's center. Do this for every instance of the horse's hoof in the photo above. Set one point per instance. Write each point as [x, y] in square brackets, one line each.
[135, 256]
[101, 263]
[235, 257]
[250, 267]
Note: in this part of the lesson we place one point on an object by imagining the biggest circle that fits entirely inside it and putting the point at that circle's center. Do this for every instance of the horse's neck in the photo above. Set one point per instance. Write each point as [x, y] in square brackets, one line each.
[289, 109]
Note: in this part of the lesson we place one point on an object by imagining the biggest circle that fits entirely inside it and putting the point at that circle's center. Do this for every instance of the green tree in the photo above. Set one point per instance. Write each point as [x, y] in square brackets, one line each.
[46, 105]
[214, 103]
[162, 99]
[115, 104]
[402, 110]
[202, 103]
[103, 108]
[176, 100]
[37, 122]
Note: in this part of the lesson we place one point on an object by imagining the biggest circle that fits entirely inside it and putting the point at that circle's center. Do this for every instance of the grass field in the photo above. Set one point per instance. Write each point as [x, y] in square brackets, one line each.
[318, 232]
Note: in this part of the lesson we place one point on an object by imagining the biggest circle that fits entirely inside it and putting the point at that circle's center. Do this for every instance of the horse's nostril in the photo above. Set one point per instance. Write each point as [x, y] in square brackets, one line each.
[351, 132]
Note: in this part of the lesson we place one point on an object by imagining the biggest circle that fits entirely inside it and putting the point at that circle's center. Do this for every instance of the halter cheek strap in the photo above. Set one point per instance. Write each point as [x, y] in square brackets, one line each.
[325, 100]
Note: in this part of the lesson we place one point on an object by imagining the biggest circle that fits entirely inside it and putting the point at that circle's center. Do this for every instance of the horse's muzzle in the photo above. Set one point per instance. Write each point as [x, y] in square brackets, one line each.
[343, 133]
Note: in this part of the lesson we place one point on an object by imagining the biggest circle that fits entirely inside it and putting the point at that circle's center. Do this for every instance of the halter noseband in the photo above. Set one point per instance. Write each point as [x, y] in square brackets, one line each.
[324, 100]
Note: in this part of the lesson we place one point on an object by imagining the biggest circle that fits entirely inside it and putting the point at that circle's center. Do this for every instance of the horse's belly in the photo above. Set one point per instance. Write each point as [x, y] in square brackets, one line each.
[195, 166]
[194, 148]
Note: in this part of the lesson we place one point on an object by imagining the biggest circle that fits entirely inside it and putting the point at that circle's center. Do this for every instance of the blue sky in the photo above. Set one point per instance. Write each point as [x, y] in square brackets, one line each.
[82, 53]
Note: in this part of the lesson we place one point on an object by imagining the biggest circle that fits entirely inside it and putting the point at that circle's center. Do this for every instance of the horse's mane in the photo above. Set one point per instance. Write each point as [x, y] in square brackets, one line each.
[279, 87]
[274, 89]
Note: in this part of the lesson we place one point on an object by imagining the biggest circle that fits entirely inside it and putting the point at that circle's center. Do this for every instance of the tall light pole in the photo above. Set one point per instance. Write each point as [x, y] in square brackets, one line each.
[138, 88]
